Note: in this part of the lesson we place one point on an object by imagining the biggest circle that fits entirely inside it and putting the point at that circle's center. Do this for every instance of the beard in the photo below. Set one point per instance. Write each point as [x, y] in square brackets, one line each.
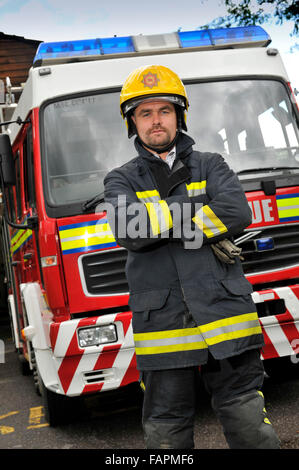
[158, 140]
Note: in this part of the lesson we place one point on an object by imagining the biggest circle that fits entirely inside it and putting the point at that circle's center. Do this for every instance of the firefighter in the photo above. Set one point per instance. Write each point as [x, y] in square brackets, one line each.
[190, 301]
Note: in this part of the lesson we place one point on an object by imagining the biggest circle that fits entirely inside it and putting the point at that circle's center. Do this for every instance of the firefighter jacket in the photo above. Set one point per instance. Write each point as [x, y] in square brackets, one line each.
[185, 301]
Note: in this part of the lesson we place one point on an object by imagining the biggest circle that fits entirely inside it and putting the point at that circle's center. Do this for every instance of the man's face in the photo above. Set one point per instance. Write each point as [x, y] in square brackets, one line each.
[156, 123]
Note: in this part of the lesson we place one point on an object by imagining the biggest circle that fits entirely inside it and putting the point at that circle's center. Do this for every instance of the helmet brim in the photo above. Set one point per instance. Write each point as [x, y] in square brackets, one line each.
[132, 104]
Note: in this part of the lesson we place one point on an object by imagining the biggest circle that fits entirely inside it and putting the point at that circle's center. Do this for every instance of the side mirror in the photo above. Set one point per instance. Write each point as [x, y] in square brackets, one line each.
[7, 161]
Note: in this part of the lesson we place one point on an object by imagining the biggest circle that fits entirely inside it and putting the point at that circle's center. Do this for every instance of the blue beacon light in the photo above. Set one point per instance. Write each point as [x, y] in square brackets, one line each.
[224, 36]
[264, 244]
[98, 47]
[83, 48]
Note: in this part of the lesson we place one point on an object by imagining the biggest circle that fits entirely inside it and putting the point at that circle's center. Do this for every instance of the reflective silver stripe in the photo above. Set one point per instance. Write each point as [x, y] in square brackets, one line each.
[239, 326]
[208, 222]
[169, 341]
[158, 211]
[160, 216]
[164, 216]
[196, 188]
[228, 332]
[286, 208]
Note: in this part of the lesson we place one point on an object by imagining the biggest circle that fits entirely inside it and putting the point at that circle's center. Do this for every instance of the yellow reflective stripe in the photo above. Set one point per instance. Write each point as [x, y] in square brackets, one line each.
[166, 214]
[196, 187]
[24, 235]
[166, 334]
[288, 201]
[229, 321]
[233, 335]
[208, 222]
[20, 235]
[159, 215]
[197, 330]
[288, 212]
[90, 241]
[16, 236]
[174, 340]
[148, 194]
[242, 320]
[171, 348]
[142, 194]
[203, 227]
[214, 219]
[195, 338]
[86, 236]
[82, 231]
[14, 241]
[142, 385]
[153, 217]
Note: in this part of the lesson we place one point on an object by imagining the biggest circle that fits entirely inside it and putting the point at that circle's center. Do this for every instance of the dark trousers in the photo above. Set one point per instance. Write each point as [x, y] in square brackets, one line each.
[234, 385]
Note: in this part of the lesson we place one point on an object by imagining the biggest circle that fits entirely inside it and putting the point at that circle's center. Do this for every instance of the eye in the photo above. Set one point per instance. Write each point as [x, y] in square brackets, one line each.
[166, 111]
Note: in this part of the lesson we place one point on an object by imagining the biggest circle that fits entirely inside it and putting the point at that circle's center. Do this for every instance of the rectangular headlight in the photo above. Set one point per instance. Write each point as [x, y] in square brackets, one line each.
[96, 335]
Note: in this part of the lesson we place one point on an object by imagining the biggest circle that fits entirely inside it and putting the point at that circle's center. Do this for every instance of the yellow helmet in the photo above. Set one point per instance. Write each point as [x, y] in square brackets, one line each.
[152, 81]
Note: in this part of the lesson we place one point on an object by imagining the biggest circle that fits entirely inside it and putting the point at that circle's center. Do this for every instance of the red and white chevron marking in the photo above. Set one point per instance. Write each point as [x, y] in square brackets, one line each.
[281, 332]
[116, 361]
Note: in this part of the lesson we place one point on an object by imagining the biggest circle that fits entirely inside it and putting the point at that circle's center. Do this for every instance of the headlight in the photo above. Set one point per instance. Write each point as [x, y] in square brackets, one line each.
[96, 335]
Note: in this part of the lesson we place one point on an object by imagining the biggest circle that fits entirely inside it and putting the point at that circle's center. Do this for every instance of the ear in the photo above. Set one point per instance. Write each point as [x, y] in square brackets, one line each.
[133, 118]
[131, 125]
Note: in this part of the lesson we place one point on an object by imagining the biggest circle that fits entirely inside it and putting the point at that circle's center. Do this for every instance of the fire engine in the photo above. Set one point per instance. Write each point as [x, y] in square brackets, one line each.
[67, 289]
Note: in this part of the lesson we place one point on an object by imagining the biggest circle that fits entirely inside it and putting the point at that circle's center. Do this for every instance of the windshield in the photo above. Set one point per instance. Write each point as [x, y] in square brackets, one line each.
[250, 122]
[84, 138]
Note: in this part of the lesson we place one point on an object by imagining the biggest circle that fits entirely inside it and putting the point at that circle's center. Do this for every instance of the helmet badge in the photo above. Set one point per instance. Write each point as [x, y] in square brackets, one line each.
[150, 80]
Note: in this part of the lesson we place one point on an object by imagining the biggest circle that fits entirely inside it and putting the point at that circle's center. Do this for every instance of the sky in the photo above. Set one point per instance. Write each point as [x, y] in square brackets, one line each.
[59, 20]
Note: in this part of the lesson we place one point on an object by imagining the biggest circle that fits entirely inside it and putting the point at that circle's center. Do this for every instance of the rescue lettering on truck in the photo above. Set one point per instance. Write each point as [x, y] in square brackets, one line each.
[273, 210]
[68, 294]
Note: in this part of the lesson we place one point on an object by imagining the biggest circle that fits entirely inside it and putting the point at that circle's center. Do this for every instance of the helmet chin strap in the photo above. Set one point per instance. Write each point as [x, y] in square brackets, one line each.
[159, 149]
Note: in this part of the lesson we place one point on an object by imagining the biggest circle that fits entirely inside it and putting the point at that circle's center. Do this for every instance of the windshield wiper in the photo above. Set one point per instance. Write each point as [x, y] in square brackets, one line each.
[270, 168]
[90, 203]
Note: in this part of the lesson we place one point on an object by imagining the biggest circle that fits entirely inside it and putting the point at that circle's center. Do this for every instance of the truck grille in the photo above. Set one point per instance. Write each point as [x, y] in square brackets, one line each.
[103, 273]
[285, 251]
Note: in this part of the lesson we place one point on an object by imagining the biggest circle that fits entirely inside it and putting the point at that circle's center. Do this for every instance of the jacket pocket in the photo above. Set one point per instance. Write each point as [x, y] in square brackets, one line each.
[237, 286]
[148, 300]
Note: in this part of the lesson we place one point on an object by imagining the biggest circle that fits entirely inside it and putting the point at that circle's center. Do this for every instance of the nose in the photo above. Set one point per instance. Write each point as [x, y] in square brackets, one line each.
[156, 118]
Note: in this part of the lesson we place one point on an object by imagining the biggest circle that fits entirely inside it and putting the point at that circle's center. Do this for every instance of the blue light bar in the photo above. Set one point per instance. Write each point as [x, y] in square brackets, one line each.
[195, 38]
[249, 35]
[117, 45]
[53, 51]
[88, 49]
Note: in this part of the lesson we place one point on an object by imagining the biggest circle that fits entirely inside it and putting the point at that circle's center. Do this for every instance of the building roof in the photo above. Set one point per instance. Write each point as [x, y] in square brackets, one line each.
[16, 57]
